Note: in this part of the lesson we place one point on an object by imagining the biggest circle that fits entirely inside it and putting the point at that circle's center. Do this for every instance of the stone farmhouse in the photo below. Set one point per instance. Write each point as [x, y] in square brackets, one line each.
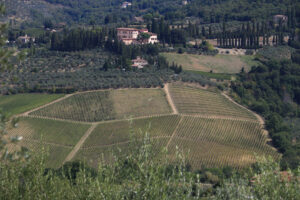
[25, 39]
[126, 4]
[136, 36]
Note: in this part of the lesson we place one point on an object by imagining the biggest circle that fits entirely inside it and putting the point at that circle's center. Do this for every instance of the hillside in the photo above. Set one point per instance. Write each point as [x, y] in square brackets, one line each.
[212, 130]
[101, 11]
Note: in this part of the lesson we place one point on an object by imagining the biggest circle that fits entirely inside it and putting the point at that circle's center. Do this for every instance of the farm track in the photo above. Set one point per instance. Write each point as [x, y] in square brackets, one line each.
[121, 143]
[175, 130]
[43, 106]
[79, 144]
[93, 125]
[258, 117]
[47, 143]
[170, 100]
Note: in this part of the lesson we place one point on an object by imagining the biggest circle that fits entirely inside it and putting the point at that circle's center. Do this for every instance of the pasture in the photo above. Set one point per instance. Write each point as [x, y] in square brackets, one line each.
[228, 64]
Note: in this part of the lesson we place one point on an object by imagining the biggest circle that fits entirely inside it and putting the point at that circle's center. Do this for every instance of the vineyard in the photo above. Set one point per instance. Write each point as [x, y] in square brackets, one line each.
[220, 142]
[19, 103]
[58, 138]
[195, 101]
[207, 126]
[107, 105]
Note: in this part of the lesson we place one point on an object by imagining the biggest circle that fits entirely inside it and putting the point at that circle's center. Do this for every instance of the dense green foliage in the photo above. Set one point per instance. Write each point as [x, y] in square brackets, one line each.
[139, 176]
[102, 11]
[272, 89]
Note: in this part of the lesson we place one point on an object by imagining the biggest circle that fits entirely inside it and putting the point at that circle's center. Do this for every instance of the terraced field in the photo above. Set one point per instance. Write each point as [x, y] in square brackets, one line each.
[209, 127]
[195, 101]
[108, 105]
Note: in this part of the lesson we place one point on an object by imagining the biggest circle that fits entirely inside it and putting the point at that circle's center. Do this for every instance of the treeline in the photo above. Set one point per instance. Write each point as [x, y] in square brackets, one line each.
[254, 35]
[273, 90]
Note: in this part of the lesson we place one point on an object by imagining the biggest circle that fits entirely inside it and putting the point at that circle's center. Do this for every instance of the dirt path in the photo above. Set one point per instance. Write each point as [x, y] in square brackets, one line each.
[47, 143]
[220, 117]
[175, 130]
[45, 105]
[170, 100]
[80, 143]
[258, 117]
[122, 143]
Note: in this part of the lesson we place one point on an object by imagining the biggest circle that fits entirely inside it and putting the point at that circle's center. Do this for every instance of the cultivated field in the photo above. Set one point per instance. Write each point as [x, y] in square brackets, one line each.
[114, 137]
[139, 102]
[218, 63]
[208, 127]
[56, 136]
[19, 103]
[108, 105]
[194, 101]
[219, 142]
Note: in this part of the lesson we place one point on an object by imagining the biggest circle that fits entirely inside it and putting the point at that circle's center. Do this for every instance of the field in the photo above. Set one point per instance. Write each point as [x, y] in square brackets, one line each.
[218, 64]
[57, 137]
[219, 142]
[207, 142]
[19, 103]
[108, 105]
[207, 126]
[114, 136]
[189, 100]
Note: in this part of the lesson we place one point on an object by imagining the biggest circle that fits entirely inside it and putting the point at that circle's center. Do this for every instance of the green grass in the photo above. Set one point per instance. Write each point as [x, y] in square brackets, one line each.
[226, 64]
[195, 101]
[19, 103]
[218, 76]
[49, 131]
[108, 105]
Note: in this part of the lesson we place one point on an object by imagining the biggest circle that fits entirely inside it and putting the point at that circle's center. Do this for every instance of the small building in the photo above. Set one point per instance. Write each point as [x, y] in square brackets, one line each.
[25, 39]
[136, 36]
[277, 19]
[184, 2]
[139, 63]
[126, 4]
[138, 19]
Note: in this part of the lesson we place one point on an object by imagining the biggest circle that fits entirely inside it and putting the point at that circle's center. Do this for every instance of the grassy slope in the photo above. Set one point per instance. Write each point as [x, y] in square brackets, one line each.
[218, 64]
[19, 103]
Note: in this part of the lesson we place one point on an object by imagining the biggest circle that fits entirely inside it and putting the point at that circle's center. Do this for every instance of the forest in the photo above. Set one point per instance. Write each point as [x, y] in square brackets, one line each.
[272, 89]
